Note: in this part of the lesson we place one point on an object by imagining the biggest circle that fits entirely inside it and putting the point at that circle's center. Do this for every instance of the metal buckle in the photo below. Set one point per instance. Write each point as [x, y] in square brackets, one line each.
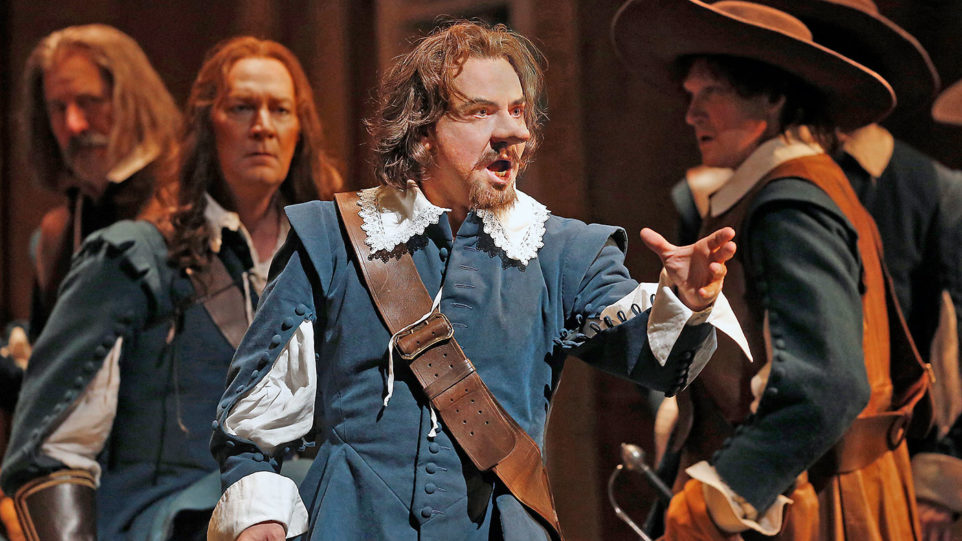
[432, 340]
[897, 430]
[931, 372]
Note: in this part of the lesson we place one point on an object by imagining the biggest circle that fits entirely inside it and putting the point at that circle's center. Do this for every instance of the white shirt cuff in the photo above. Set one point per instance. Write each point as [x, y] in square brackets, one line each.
[722, 317]
[667, 319]
[258, 497]
[669, 316]
[729, 511]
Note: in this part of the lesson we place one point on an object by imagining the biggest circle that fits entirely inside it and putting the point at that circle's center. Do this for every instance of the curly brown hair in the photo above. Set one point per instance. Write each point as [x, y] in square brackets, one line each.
[311, 174]
[417, 90]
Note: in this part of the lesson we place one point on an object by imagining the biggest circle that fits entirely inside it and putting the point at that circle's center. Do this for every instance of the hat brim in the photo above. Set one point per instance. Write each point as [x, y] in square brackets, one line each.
[872, 40]
[651, 35]
[947, 108]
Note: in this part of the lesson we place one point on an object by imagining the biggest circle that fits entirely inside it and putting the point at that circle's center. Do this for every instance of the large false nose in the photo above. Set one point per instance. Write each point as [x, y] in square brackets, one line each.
[510, 129]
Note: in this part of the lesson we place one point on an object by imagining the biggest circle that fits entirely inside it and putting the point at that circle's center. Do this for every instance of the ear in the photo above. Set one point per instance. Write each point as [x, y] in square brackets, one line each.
[427, 140]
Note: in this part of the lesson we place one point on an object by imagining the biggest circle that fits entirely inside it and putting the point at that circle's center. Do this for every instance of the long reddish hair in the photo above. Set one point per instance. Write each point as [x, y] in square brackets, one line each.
[311, 174]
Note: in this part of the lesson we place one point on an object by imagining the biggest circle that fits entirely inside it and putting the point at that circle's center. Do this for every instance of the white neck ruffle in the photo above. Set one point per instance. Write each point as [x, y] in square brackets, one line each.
[519, 229]
[392, 217]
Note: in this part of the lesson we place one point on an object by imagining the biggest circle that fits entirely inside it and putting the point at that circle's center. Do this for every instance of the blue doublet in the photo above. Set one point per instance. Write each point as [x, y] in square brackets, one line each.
[173, 359]
[378, 474]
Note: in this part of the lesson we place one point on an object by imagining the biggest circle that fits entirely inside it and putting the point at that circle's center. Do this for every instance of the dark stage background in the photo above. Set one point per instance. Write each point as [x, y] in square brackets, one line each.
[612, 149]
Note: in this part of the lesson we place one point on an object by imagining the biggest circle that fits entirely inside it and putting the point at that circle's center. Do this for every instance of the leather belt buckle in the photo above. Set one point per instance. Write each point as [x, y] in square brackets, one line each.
[415, 339]
[896, 431]
[930, 372]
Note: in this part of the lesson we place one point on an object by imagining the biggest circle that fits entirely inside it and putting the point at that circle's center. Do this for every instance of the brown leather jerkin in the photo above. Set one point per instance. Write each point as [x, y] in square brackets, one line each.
[487, 434]
[223, 299]
[720, 398]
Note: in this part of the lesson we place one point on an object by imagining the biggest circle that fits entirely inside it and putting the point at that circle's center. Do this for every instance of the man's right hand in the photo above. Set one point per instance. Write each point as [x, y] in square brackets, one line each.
[264, 531]
[697, 270]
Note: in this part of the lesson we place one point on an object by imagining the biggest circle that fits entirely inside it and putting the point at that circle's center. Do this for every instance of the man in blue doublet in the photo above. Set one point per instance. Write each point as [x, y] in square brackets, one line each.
[459, 117]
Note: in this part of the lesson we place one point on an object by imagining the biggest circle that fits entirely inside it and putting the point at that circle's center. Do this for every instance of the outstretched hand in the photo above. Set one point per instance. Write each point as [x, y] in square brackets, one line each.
[696, 270]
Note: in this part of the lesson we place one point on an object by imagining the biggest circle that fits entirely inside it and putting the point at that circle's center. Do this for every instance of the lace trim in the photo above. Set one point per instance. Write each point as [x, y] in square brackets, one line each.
[531, 241]
[381, 236]
[391, 218]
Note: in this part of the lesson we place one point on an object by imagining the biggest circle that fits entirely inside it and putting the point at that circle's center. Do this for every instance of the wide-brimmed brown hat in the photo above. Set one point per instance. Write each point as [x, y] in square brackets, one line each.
[651, 35]
[948, 106]
[856, 29]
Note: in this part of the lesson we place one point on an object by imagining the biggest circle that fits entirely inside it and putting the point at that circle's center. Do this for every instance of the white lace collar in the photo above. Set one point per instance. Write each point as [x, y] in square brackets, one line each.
[392, 217]
[519, 229]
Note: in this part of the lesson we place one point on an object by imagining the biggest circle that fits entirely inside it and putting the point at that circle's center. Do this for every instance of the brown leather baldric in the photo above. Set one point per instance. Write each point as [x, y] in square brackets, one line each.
[471, 413]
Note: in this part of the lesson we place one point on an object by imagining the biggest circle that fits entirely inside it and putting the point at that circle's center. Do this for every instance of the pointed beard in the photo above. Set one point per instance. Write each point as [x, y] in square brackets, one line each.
[487, 197]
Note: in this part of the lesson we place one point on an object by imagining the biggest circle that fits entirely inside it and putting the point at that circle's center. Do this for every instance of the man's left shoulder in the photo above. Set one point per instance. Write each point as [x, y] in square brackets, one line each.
[565, 233]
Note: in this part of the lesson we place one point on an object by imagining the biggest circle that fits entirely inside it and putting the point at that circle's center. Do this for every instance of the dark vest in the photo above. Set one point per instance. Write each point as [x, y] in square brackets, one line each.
[720, 399]
[725, 380]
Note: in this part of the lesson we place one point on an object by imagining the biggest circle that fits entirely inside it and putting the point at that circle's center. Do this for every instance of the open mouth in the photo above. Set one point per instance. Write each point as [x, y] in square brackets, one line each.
[500, 168]
[705, 139]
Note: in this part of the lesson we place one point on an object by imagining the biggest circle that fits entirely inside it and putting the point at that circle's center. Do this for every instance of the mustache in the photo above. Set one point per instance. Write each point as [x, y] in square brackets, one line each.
[491, 155]
[86, 140]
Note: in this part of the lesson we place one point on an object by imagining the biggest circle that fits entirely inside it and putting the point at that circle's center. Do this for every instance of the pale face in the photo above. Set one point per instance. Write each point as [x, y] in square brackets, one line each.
[479, 142]
[727, 126]
[256, 127]
[80, 109]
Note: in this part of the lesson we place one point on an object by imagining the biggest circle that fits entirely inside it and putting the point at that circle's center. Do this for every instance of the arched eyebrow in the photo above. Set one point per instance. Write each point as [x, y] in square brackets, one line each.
[471, 103]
